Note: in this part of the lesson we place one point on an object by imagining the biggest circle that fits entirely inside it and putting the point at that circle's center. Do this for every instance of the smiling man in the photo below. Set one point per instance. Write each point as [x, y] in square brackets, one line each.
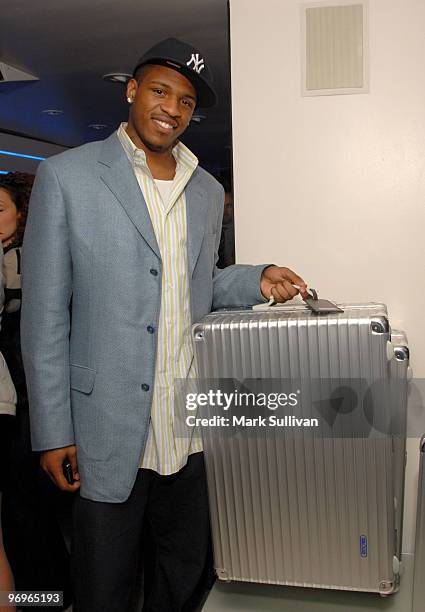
[129, 228]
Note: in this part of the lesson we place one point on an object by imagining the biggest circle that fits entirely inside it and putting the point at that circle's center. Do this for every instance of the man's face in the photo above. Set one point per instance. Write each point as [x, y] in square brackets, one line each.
[163, 104]
[9, 217]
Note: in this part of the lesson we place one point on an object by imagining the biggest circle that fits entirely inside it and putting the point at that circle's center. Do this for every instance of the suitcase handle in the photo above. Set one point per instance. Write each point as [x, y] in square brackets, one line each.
[316, 305]
[313, 293]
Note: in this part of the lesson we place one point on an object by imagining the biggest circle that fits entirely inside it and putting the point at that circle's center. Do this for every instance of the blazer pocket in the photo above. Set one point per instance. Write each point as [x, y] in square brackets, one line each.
[82, 378]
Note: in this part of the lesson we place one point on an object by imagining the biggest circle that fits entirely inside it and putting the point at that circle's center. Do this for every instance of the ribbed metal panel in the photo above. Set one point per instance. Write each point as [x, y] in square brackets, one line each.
[418, 580]
[288, 510]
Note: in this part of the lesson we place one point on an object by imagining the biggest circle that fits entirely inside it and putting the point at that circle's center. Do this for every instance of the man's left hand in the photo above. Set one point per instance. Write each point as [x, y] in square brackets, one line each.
[279, 283]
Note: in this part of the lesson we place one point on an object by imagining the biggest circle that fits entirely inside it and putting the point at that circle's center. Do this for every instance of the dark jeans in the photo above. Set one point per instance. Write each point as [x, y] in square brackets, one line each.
[165, 520]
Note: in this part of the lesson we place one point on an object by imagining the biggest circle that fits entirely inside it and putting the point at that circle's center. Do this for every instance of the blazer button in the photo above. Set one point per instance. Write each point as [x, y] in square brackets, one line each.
[153, 272]
[150, 329]
[145, 387]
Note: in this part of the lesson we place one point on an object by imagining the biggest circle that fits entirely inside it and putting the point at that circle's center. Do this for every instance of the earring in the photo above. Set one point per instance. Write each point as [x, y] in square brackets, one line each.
[130, 100]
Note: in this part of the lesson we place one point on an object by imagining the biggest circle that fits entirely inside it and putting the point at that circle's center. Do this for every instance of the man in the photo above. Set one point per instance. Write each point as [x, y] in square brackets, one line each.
[129, 228]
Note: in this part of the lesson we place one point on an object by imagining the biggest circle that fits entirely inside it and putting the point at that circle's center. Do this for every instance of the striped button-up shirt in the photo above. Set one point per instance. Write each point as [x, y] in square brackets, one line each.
[166, 450]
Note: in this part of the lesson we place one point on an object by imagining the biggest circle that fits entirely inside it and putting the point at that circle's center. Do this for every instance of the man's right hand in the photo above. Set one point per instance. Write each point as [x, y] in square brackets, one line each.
[51, 462]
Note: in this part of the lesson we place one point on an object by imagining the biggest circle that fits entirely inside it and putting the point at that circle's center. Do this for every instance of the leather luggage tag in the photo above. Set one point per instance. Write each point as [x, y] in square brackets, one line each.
[320, 306]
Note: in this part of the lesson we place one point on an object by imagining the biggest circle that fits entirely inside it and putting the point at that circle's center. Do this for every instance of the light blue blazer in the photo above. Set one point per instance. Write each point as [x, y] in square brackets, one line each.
[89, 239]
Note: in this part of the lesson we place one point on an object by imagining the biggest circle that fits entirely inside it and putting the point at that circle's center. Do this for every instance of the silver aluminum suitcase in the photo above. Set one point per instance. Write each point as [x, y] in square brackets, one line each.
[419, 571]
[307, 510]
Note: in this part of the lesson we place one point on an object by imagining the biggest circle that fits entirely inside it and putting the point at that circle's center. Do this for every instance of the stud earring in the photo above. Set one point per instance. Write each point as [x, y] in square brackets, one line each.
[129, 100]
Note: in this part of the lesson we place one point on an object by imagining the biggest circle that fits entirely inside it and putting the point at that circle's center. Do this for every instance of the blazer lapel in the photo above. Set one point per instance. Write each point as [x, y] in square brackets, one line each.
[119, 177]
[196, 212]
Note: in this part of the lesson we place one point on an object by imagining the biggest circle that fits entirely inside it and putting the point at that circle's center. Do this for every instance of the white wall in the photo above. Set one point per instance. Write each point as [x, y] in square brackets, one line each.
[334, 186]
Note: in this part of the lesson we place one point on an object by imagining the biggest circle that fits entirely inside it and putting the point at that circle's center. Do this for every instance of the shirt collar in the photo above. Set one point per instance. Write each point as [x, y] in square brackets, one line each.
[184, 157]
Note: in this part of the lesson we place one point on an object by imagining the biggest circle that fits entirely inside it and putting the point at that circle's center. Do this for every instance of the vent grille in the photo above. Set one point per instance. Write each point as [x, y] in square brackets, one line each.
[335, 49]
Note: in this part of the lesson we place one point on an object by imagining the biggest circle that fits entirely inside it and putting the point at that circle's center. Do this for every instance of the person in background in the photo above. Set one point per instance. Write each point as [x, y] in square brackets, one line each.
[226, 250]
[32, 536]
[7, 414]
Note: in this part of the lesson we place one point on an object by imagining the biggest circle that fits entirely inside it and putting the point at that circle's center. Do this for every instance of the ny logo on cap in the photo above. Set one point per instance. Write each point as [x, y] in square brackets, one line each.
[198, 64]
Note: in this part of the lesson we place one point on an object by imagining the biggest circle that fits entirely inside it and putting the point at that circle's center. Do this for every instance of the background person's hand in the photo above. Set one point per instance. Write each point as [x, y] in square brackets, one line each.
[279, 283]
[51, 462]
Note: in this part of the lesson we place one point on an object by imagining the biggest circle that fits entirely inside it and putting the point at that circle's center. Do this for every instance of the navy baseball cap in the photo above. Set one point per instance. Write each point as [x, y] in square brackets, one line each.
[186, 59]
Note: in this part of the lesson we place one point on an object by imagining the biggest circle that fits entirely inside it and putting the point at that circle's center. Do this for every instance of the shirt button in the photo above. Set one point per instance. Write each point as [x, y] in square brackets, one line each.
[145, 387]
[153, 272]
[150, 329]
